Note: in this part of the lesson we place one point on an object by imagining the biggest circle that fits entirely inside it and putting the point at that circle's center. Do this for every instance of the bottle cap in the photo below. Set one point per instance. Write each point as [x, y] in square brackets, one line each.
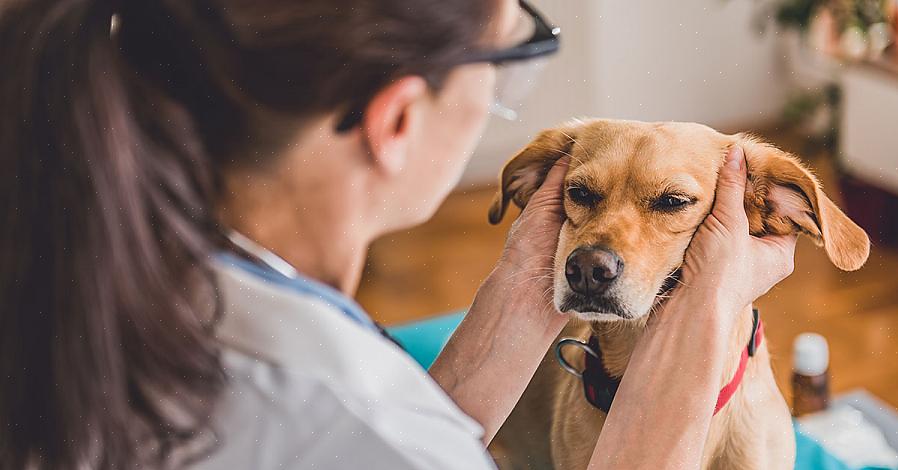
[810, 354]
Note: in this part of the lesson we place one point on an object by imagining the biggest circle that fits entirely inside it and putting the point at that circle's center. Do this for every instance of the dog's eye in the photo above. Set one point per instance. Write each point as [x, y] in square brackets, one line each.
[582, 196]
[671, 202]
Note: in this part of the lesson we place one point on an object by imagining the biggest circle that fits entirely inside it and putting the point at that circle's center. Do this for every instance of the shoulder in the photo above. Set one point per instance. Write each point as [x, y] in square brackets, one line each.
[307, 382]
[303, 332]
[274, 418]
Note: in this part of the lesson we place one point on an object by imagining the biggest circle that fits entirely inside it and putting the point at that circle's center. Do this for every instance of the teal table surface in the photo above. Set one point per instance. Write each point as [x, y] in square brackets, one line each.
[424, 339]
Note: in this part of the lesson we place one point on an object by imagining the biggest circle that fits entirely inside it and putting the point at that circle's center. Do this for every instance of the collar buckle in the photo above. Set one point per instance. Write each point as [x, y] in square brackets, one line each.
[753, 341]
[559, 354]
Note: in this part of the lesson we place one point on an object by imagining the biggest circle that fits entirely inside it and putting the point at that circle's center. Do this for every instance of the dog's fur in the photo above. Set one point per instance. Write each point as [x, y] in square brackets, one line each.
[631, 164]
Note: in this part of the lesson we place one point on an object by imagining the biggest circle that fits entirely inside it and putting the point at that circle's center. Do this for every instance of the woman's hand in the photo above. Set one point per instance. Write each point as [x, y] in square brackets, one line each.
[724, 263]
[527, 262]
[512, 322]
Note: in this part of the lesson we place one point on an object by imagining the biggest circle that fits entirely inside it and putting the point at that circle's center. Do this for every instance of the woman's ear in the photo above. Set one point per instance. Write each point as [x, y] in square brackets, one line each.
[783, 197]
[525, 172]
[390, 119]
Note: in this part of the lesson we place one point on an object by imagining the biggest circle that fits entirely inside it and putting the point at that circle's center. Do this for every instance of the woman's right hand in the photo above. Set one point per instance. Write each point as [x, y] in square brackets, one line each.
[528, 259]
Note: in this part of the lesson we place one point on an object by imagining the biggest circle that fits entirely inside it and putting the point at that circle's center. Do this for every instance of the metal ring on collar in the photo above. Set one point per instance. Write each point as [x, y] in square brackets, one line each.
[563, 362]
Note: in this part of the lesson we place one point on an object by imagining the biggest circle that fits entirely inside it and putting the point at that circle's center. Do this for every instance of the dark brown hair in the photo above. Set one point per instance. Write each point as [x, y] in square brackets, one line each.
[112, 142]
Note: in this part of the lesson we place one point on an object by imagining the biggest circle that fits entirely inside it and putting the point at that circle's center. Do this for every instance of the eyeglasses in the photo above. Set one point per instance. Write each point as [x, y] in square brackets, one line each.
[516, 66]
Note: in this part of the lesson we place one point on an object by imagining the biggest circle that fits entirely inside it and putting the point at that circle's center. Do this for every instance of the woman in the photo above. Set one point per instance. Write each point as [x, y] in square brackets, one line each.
[189, 190]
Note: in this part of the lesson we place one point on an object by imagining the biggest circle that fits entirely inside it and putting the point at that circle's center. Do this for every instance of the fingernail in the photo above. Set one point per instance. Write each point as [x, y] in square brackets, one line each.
[735, 158]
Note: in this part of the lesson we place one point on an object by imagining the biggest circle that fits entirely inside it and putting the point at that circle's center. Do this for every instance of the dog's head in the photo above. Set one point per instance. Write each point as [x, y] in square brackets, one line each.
[636, 192]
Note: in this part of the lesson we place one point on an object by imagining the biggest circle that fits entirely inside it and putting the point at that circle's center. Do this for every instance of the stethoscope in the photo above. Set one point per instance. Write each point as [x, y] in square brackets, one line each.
[261, 254]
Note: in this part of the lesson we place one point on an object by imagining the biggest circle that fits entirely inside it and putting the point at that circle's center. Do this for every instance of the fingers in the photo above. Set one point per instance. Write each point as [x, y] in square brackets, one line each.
[535, 232]
[729, 207]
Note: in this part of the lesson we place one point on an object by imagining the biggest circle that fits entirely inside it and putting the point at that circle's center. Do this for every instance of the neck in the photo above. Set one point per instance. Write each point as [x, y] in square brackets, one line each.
[332, 259]
[617, 340]
[320, 237]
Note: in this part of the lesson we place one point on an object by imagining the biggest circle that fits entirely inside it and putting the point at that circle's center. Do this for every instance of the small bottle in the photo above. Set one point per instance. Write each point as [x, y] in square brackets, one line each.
[810, 374]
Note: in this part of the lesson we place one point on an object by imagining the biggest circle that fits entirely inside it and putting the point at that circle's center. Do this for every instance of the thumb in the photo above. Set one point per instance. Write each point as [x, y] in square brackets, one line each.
[777, 254]
[550, 191]
[729, 206]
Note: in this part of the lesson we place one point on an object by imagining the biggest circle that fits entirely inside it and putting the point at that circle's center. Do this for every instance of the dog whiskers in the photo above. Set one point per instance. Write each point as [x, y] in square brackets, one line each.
[561, 151]
[547, 270]
[534, 278]
[574, 142]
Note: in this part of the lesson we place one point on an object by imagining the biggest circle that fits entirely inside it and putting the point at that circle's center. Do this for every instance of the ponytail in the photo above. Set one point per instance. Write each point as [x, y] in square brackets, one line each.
[111, 145]
[105, 207]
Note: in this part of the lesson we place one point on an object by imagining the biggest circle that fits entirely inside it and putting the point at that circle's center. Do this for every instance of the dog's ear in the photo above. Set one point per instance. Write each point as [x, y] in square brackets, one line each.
[784, 197]
[525, 172]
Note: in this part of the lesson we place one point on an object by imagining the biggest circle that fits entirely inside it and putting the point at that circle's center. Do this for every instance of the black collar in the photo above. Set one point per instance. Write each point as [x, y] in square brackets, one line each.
[599, 387]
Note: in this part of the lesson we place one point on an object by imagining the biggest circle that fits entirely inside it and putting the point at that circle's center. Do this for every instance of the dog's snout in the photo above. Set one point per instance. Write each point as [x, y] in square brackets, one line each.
[591, 269]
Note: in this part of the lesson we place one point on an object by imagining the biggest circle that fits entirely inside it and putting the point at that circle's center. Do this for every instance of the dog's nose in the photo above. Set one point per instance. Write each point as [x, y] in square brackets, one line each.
[591, 269]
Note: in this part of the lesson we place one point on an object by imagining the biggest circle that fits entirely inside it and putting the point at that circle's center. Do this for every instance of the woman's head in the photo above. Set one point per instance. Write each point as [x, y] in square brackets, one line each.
[389, 129]
[114, 144]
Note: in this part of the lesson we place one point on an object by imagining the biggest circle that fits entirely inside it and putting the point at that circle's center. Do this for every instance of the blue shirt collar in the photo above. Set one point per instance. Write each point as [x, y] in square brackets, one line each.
[302, 285]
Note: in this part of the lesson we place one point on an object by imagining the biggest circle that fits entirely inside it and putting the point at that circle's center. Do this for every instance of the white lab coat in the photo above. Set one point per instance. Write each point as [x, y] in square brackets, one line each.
[311, 386]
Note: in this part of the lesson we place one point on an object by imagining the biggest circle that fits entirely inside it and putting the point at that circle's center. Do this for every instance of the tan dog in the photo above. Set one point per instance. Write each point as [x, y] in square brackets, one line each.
[634, 195]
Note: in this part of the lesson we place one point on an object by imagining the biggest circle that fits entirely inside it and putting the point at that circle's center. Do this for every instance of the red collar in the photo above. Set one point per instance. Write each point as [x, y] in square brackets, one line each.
[600, 388]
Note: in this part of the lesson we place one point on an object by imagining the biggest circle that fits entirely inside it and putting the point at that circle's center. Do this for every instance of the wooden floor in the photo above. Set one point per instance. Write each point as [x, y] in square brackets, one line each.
[437, 267]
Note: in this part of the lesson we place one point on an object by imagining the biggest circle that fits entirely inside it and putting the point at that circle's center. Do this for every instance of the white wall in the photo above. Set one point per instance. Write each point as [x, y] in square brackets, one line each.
[869, 121]
[683, 60]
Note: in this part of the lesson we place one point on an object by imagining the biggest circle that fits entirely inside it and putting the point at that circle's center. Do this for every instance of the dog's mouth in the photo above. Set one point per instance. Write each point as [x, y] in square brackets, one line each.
[607, 305]
[574, 302]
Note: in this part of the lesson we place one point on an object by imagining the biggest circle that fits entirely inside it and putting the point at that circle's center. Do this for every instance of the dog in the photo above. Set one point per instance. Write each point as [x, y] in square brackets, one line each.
[634, 195]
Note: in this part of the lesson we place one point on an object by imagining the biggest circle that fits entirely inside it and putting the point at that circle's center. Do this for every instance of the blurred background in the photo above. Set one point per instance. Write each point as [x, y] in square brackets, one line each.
[817, 77]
